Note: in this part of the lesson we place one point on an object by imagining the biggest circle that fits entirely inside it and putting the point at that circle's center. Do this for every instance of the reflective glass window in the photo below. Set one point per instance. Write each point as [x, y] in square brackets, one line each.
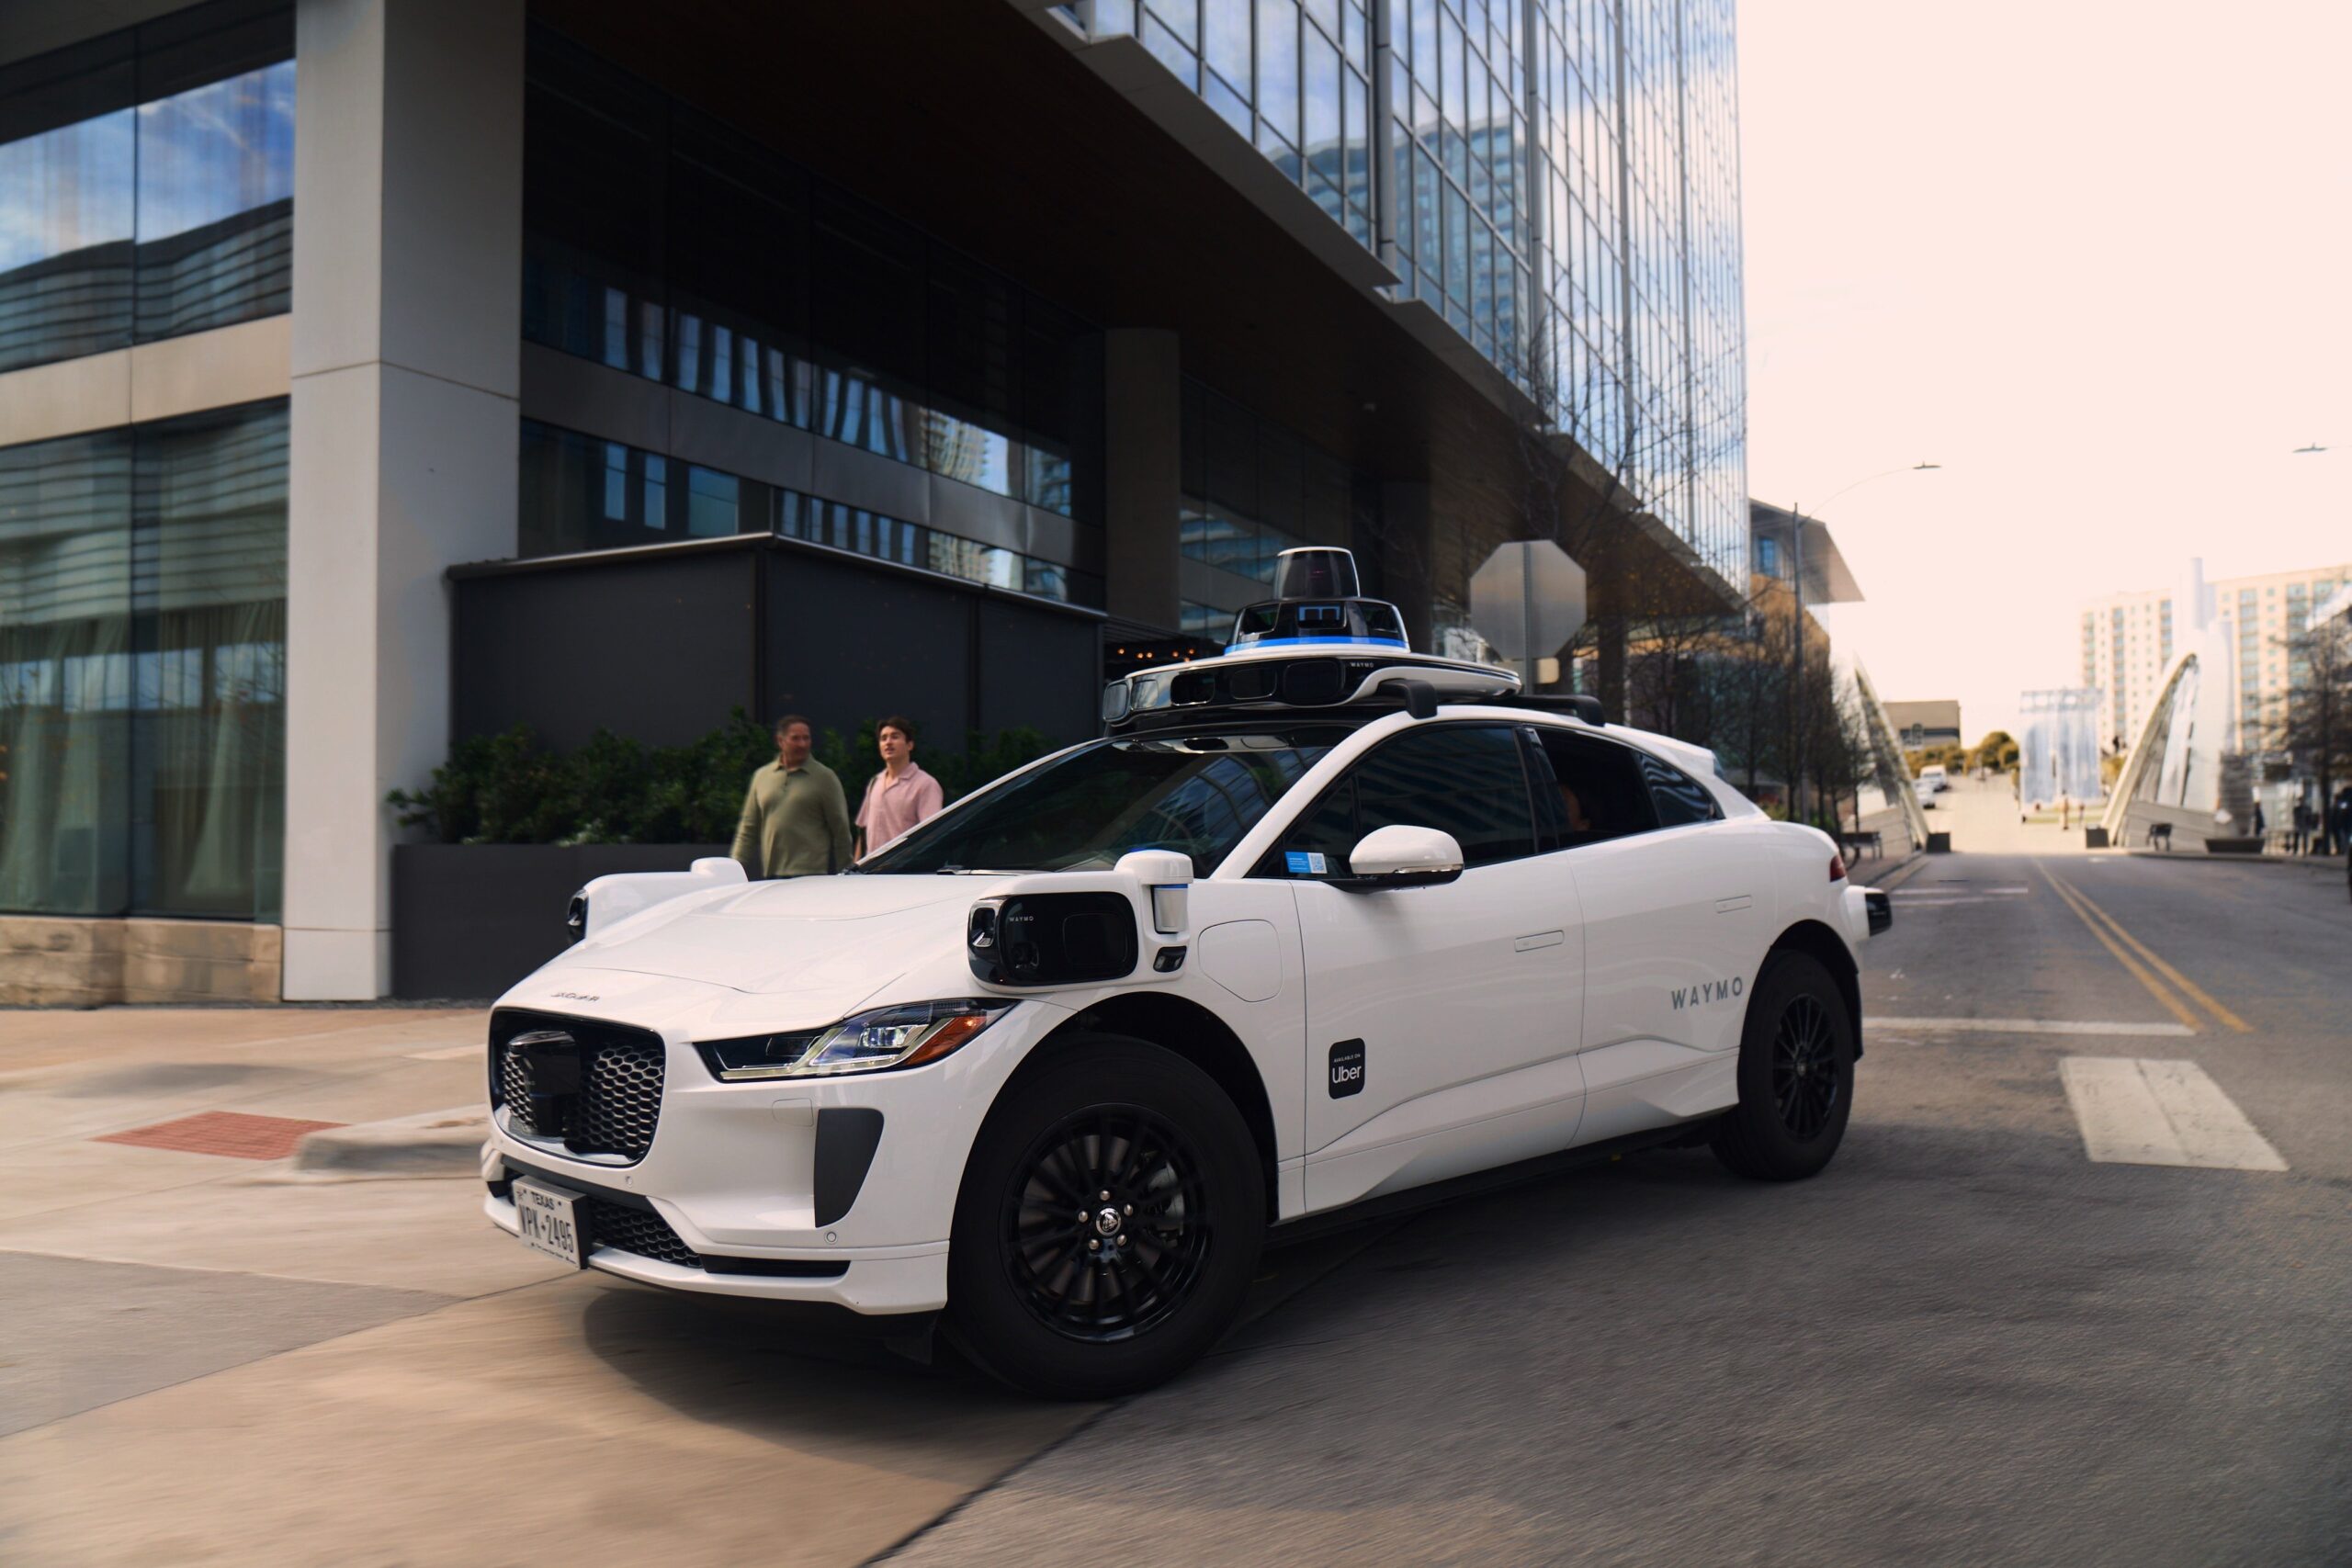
[1589, 790]
[661, 242]
[146, 183]
[65, 675]
[1462, 779]
[1679, 798]
[216, 203]
[208, 747]
[579, 493]
[68, 137]
[143, 611]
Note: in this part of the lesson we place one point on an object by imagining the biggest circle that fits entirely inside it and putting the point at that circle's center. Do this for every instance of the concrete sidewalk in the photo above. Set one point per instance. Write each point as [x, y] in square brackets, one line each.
[214, 1358]
[167, 1137]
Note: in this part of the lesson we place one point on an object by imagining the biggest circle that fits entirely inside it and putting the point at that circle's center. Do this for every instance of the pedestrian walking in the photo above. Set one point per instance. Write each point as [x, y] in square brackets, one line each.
[2299, 838]
[2339, 825]
[795, 818]
[902, 794]
[2259, 831]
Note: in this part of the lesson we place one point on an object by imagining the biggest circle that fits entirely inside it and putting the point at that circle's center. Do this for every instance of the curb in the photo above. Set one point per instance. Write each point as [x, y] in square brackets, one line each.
[2323, 866]
[1877, 874]
[431, 1144]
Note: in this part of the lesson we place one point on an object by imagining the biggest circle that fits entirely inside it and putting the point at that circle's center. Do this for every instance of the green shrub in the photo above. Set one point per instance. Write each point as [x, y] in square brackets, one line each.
[508, 789]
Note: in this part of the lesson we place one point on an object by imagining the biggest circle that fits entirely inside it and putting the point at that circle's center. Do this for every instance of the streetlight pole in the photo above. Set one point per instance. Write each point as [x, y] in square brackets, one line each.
[1796, 628]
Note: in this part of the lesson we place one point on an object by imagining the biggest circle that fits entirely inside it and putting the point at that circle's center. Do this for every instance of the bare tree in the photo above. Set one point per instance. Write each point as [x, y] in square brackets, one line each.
[2315, 728]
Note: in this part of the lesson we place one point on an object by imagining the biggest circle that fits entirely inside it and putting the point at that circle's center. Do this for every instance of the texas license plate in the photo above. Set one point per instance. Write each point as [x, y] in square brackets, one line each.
[550, 1217]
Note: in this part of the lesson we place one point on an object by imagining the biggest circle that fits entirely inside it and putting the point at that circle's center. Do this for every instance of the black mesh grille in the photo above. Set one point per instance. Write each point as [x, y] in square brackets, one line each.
[641, 1231]
[620, 1100]
[515, 1090]
[610, 1105]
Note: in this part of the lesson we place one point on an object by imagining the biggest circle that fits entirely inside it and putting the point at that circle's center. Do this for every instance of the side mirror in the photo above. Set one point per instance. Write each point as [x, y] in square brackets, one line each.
[1401, 856]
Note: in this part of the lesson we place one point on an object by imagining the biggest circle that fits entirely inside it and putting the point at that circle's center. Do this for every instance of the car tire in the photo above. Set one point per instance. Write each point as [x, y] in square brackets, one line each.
[1796, 1074]
[1176, 1242]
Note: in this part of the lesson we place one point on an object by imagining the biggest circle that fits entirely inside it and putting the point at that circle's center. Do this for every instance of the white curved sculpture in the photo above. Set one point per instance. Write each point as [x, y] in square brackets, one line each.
[2175, 759]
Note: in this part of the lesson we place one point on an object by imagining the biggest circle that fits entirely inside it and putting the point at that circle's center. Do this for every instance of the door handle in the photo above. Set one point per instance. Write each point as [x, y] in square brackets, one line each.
[1733, 905]
[1540, 938]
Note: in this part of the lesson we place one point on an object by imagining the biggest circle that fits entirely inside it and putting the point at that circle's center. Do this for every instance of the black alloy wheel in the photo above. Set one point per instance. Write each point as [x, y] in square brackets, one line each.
[1806, 1086]
[1108, 1223]
[1796, 1074]
[1111, 1226]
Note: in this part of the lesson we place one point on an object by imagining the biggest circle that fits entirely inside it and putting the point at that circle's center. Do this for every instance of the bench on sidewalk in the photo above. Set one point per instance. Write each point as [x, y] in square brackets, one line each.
[1855, 837]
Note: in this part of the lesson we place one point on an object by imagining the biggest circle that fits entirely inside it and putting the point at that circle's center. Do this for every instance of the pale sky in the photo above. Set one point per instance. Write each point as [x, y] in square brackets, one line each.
[2090, 257]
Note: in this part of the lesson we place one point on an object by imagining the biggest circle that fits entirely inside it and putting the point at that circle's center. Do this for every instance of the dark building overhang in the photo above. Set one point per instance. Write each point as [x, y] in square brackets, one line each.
[979, 119]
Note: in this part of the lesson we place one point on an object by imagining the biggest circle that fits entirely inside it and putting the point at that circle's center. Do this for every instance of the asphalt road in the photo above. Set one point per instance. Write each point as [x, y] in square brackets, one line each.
[1968, 1341]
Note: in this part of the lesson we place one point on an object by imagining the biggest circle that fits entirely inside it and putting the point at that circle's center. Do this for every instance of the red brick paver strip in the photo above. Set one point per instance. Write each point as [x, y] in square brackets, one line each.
[230, 1132]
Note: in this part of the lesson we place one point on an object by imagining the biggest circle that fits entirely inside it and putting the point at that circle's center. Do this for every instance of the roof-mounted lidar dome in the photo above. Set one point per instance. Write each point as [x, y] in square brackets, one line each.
[1321, 644]
[1318, 599]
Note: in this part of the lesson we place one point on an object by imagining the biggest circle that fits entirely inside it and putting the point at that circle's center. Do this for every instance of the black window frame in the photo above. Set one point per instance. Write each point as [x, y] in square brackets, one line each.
[1272, 866]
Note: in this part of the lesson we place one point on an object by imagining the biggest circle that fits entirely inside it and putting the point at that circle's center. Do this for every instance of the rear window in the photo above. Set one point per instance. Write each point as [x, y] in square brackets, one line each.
[1596, 790]
[1679, 798]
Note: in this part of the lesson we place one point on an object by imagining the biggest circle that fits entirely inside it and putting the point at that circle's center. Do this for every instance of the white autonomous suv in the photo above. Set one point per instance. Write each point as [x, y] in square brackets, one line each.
[1320, 924]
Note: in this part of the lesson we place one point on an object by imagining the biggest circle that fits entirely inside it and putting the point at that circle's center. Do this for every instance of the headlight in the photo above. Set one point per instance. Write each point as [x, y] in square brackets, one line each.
[905, 1036]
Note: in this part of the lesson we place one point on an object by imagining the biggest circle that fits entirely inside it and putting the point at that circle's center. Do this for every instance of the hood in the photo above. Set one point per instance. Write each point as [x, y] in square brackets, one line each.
[828, 941]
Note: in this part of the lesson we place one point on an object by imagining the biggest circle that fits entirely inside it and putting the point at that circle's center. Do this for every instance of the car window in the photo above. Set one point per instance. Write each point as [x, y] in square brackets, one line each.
[1197, 795]
[1594, 791]
[1679, 798]
[1463, 779]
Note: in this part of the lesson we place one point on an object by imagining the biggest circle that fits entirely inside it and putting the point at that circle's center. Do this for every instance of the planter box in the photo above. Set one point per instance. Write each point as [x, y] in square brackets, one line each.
[2245, 845]
[471, 920]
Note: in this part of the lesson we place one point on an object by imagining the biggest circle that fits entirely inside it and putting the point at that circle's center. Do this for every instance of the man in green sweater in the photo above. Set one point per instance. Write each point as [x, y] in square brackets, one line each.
[795, 818]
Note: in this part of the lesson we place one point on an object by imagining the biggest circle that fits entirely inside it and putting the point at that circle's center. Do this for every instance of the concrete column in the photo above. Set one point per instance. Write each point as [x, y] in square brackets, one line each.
[1143, 462]
[408, 190]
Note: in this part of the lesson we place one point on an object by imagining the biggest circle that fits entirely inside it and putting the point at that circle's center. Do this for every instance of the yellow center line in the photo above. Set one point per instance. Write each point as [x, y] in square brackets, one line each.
[2172, 1004]
[2188, 987]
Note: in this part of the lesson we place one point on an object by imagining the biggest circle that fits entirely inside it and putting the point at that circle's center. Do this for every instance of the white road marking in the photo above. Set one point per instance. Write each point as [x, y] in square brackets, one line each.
[2135, 1112]
[1943, 900]
[446, 1053]
[2023, 1026]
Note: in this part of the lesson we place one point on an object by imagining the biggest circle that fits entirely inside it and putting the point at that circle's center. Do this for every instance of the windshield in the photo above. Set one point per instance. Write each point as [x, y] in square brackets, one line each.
[1196, 794]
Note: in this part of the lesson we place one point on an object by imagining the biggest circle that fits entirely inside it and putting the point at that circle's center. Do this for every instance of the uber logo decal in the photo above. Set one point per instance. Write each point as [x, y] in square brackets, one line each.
[1710, 991]
[1347, 1068]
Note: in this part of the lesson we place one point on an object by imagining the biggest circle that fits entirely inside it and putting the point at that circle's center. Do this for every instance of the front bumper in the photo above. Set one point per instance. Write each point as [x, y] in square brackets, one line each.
[760, 1187]
[874, 1280]
[1866, 912]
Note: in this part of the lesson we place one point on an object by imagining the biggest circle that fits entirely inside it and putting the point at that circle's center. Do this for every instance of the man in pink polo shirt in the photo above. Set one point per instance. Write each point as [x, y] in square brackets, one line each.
[898, 797]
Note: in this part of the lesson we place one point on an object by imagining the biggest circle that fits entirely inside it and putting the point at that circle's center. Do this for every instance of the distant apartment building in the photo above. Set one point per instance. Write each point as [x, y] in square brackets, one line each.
[2127, 647]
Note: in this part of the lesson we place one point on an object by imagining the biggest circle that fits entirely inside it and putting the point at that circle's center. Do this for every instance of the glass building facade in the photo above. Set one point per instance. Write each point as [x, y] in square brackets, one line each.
[659, 243]
[142, 658]
[146, 192]
[582, 493]
[1252, 489]
[1557, 179]
[146, 183]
